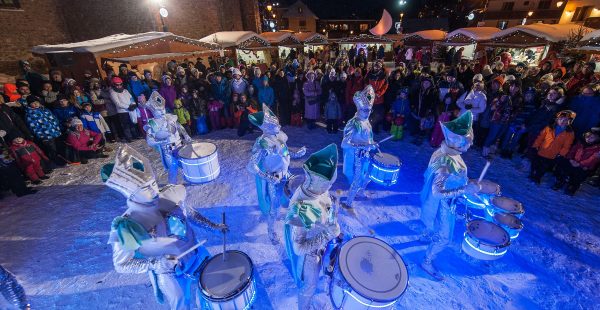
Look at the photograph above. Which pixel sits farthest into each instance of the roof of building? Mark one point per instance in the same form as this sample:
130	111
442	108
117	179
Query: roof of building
547	32
311	37
238	39
113	42
431	35
475	33
299	10
590	42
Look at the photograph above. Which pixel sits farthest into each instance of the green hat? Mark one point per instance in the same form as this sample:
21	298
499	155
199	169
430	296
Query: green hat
459	131
323	162
258	119
107	170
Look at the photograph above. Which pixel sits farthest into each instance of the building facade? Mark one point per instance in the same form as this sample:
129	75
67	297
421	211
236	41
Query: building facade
342	28
27	23
297	18
508	13
583	12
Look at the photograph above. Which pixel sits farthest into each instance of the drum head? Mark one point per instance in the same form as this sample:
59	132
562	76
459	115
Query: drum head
508	220
224	279
386	160
197	150
488	233
292	184
509	205
490	188
373	269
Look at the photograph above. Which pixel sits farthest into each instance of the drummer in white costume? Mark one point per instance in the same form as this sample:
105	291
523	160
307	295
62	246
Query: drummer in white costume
154	229
269	162
446	179
357	143
311	221
164	131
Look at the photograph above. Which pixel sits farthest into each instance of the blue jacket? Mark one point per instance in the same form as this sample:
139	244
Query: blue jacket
89	121
401	106
588	113
42	123
64	115
137	88
221	90
266	96
333	110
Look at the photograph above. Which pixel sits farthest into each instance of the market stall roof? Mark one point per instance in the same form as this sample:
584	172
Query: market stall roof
311	38
143	59
247	40
535	34
424	38
366	39
115	41
590	42
281	38
470	35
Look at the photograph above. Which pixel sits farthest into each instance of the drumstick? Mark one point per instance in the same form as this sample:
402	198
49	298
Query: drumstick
190	249
385	139
224	237
484	171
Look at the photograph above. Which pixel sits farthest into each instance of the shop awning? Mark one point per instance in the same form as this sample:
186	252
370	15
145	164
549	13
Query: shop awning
365	39
590	42
311	38
423	38
470	35
281	38
144	59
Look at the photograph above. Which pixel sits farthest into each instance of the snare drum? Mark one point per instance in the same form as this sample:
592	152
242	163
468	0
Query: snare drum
480	200
510	223
384	169
199	162
485	240
369	274
227	284
504	205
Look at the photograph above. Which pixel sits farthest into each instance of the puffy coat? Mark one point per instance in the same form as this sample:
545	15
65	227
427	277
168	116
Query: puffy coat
43	124
94	122
122	100
476	99
80	140
27	153
379	83
550	145
333	110
64	115
586	156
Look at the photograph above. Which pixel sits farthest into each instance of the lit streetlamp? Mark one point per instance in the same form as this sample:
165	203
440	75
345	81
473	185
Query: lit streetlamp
402	2
559	4
269	7
529	13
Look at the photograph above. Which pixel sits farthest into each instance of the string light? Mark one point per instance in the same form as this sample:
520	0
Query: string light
172	39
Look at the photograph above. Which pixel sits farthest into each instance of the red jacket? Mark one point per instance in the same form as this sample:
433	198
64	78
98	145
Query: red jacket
27	153
83	140
550	145
586	156
379	83
353	84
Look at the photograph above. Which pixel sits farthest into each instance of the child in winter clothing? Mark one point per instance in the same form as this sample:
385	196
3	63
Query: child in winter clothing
29	159
214	112
143	114
581	162
93	120
78	98
10	175
400	111
552	142
198	112
137	87
297	108
64	112
86	144
426	124
333	112
183	116
44	126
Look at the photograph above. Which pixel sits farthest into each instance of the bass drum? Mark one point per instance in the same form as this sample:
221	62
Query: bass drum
199	162
227	284
369	274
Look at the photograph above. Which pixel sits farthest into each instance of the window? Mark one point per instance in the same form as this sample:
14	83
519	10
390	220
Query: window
502	24
302	23
344	26
9	4
581	13
508	6
364	27
544	5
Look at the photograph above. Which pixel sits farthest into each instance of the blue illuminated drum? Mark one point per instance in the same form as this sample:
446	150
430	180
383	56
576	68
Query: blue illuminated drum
510	223
227	284
504	205
485	240
384	169
199	162
369	274
480	200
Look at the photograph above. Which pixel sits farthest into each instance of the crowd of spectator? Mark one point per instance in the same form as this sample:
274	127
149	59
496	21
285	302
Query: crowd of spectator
548	114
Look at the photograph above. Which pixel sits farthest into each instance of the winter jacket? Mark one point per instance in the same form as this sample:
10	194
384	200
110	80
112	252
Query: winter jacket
64	115
332	109
401	107
239	86
143	115
541	117
588	113
312	91
183	116
122	100
221	90
94	121
586	156
82	140
549	145
49	98
27	153
13	124
425	101
353	84
266	96
379	83
43	124
137	88
170	94
215	106
476	100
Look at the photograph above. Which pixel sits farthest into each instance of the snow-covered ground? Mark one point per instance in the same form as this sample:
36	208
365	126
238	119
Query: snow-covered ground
55	240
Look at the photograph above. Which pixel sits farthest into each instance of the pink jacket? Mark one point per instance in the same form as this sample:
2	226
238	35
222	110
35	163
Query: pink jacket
80	140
